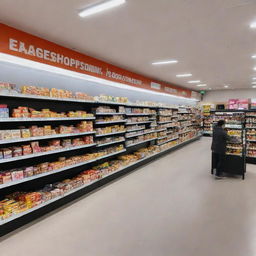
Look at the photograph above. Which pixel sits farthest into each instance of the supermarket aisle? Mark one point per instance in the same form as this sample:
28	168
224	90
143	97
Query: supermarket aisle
170	207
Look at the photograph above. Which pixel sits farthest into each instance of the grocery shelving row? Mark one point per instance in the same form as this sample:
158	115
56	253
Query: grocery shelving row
104	120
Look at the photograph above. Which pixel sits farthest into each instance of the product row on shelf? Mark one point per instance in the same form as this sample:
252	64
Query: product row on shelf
37	92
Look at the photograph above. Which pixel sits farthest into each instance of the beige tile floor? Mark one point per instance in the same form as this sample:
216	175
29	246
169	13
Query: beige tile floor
171	207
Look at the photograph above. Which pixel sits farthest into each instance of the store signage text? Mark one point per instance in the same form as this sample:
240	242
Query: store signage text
23	45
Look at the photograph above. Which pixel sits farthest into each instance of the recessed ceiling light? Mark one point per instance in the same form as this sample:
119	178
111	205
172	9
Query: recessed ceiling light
183	75
253	56
254	86
99	7
254	68
253	25
165	62
194	81
201	85
254	78
226	86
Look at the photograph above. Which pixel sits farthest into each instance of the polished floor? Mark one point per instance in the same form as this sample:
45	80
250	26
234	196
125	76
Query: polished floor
171	207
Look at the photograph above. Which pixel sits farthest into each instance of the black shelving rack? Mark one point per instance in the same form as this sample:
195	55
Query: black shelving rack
235	160
64	105
250	133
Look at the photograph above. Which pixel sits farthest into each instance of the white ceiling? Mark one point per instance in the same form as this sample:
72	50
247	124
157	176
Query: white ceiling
210	38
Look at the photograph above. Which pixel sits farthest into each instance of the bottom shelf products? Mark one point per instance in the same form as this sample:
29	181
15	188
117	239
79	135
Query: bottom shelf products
20	203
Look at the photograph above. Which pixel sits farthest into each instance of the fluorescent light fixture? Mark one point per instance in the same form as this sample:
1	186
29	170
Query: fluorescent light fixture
194	81
254	86
254	68
201	85
165	62
253	25
99	7
226	86
183	75
253	56
254	78
6	58
209	88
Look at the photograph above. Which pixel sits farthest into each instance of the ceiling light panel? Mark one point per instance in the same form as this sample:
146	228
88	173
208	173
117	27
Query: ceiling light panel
201	85
253	25
100	7
194	81
184	75
164	62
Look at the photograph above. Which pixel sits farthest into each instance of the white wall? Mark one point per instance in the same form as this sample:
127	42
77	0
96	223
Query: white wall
225	95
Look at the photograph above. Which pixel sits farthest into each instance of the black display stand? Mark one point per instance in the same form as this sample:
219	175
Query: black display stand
233	165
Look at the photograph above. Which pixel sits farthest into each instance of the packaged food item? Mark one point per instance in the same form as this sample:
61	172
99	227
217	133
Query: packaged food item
6	135
16	151
4	111
28	171
17	174
47	130
16	134
5	177
66	143
25	133
35	147
7	152
26	149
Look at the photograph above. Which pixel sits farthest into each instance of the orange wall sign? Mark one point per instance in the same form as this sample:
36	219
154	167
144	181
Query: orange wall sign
27	46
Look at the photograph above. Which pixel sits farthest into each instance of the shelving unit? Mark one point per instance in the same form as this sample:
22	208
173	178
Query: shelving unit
247	125
250	136
38	181
235	161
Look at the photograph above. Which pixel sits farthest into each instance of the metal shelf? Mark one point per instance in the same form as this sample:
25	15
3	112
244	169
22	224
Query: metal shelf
109	143
144	122
185	132
160	138
111	122
165	122
139	114
131	145
167	141
160	130
30	96
109	134
136	135
45	137
13	159
10	119
109	114
135	130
